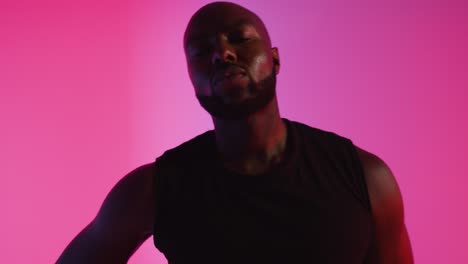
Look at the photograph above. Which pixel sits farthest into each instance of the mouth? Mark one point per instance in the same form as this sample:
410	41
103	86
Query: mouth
231	73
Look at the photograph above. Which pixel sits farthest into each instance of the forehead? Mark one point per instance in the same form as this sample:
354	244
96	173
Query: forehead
220	17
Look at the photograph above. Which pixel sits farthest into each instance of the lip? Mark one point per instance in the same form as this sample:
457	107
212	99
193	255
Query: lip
227	73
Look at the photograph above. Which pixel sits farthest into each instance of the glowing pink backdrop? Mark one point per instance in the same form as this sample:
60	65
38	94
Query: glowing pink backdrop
91	89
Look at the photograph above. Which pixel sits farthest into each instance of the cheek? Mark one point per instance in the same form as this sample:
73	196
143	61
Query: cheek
260	67
200	82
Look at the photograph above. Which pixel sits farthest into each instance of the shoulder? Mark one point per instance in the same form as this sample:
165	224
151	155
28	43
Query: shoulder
391	242
138	182
384	193
378	175
122	224
192	148
133	197
319	138
308	130
137	178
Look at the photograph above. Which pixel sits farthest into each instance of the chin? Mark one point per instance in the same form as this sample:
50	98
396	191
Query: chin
237	108
241	102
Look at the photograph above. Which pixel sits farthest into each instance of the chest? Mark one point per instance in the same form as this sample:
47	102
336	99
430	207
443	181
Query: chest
288	217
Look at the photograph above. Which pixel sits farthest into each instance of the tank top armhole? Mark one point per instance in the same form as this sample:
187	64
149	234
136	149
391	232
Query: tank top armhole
158	198
360	177
370	257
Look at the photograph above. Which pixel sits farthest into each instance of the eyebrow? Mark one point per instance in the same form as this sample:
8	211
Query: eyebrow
198	37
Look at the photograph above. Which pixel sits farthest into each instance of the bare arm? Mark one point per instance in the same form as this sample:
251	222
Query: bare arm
391	241
123	223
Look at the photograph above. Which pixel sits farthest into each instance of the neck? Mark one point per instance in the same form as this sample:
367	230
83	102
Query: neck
253	144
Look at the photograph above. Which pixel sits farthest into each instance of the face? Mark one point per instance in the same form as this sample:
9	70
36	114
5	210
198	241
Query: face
230	60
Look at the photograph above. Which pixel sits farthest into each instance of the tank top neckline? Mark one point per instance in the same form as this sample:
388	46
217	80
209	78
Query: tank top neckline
277	169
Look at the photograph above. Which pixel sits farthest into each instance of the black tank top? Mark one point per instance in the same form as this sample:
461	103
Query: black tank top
313	207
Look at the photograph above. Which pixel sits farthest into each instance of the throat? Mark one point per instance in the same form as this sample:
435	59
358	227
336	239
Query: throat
254	153
257	164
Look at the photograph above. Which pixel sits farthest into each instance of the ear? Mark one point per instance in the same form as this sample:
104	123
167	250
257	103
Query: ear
276	59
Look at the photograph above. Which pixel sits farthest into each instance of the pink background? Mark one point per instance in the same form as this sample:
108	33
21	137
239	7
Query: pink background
91	89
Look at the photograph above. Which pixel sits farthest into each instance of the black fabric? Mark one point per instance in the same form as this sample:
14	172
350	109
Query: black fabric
313	207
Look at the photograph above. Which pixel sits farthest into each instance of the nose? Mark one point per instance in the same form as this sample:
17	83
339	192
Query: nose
223	52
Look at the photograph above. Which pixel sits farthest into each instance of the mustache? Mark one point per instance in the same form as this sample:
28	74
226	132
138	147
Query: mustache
221	69
216	107
224	66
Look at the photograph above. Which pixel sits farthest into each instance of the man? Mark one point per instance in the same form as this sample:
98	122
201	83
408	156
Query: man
257	189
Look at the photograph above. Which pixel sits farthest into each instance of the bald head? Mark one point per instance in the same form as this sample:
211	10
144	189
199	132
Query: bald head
222	16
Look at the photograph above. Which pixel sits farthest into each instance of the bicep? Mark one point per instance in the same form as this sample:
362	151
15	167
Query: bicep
391	239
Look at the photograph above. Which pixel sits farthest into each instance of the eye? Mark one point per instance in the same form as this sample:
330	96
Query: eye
197	51
239	37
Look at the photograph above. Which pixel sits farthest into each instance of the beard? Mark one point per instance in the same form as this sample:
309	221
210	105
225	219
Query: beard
262	92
